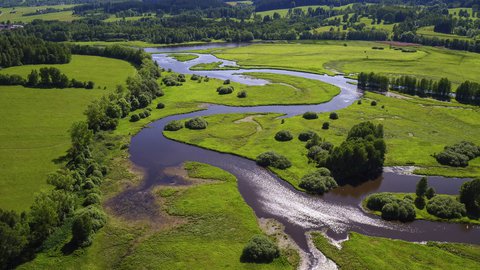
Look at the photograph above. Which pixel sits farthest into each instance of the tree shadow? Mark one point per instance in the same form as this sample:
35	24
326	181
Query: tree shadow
69	248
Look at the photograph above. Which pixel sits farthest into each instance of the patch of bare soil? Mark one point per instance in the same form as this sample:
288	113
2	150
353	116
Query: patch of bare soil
250	119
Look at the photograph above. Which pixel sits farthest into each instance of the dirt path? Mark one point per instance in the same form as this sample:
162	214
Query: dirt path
250	119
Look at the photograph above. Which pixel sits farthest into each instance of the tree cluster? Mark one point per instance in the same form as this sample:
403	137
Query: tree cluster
260	249
468	93
392	208
318	182
47	77
458	155
360	156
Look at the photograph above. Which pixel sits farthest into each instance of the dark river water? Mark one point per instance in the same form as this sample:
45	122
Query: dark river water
337	212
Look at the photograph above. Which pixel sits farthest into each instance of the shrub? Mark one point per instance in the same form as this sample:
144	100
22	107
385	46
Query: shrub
333	116
398	210
373	103
173	125
306	135
458	154
325	125
134	118
274	160
160	105
196	123
97	216
470	196
159	93
359	102
283	136
146	113
430	193
420	202
224	90
315	140
260	249
195	77
242	94
142	115
227	81
92	198
446	207
81	230
318	154
310	115
318	182
376	201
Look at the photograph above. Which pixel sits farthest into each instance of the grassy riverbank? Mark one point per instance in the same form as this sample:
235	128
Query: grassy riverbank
35	123
183	57
365	252
414	130
358	56
423	213
284	89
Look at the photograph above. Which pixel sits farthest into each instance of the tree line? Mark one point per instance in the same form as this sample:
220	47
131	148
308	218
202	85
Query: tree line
46	77
74	200
18	48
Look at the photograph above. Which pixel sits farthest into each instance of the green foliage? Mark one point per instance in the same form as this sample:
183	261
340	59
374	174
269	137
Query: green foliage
470	196
224	90
135	118
373	103
333	116
82	228
160	105
399	210
325	125
458	154
306	135
430	193
445	207
422	187
376	201
196	123
274	160
318	182
14	231
242	94
310	115
260	249
173	125
283	136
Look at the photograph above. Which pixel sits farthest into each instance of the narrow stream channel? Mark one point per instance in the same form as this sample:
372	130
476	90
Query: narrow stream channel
338	212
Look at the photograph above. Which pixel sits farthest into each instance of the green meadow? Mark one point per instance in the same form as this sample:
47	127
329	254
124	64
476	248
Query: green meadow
414	130
36	130
16	14
428	32
183	57
358	56
365	252
284	89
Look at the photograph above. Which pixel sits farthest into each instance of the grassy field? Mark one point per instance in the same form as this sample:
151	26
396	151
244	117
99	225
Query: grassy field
428	32
16	14
358	56
423	213
183	57
414	129
284	89
36	129
364	252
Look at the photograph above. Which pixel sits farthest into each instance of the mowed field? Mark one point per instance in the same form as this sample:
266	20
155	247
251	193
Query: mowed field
17	14
35	124
358	56
414	130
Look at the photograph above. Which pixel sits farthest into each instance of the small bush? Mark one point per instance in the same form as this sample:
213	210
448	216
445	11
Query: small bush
310	115
134	118
91	198
224	90
160	105
196	123
195	77
260	249
305	136
142	115
242	94
81	230
318	182
458	155
274	160
359	102
173	125
446	207
373	103
325	125
430	193
283	136
333	116
227	81
420	202
376	201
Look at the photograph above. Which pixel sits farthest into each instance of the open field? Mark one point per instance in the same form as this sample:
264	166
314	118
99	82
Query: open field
413	131
284	89
364	252
36	129
423	213
183	57
358	56
428	32
16	14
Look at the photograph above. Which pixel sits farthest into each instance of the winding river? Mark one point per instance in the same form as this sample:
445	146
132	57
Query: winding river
337	212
